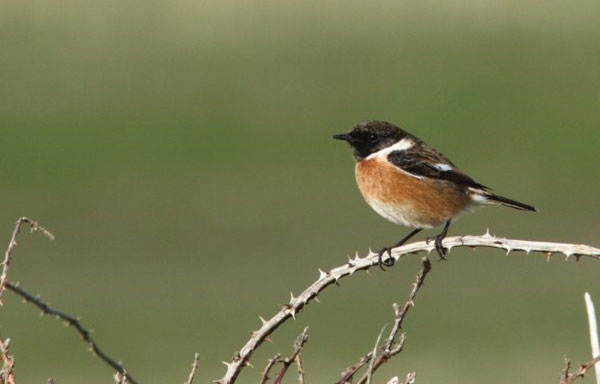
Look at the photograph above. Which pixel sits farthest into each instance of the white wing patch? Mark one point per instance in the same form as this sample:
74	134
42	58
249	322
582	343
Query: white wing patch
402	145
443	167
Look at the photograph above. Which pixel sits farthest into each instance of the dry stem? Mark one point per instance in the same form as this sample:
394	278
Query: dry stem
35	227
568	378
270	363
298	345
391	348
74	323
7	375
300	366
325	279
190	379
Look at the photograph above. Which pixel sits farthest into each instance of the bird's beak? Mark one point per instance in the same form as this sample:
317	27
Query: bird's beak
343	136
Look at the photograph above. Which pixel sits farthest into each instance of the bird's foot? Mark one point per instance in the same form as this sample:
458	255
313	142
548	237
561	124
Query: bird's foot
442	252
389	262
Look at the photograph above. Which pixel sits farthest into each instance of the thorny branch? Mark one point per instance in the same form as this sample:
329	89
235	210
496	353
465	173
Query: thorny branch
332	276
568	377
298	345
74	323
34	227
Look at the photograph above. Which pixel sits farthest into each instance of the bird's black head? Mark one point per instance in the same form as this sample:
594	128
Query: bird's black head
370	137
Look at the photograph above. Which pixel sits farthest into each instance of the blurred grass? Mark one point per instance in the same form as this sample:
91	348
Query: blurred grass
181	153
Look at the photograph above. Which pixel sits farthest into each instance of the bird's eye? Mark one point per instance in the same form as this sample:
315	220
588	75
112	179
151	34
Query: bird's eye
372	137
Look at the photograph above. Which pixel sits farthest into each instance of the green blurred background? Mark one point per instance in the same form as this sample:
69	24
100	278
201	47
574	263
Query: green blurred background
181	153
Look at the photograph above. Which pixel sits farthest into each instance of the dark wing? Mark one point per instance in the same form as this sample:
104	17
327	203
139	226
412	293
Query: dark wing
422	160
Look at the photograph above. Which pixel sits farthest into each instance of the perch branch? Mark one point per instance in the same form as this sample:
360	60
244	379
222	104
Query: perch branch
74	323
296	304
34	227
298	345
190	379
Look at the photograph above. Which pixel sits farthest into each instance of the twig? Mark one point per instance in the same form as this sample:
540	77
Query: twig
411	378
7	375
190	379
326	279
74	323
298	345
300	366
568	378
589	304
349	373
35	227
370	370
270	363
392	348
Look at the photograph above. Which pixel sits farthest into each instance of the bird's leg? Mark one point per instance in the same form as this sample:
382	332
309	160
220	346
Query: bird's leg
390	261
438	241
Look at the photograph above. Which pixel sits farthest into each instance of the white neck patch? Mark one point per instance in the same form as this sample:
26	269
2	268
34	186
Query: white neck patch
402	145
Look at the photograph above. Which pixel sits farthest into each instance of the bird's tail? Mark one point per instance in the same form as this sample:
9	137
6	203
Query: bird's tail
486	197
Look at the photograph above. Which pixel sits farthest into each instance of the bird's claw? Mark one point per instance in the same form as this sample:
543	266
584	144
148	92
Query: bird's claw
389	262
439	248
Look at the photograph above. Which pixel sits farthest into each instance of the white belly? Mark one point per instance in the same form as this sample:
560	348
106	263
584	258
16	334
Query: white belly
400	214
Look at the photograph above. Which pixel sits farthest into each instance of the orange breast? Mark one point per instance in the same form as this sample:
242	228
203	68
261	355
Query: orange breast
405	199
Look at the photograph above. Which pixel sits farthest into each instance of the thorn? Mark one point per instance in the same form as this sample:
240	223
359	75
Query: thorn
293	313
292	298
262	319
317	299
568	254
226	364
527	250
322	274
548	256
508	250
487	233
248	364
368	272
269	338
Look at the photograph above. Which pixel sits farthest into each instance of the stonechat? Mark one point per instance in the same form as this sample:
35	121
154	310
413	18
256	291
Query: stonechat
408	182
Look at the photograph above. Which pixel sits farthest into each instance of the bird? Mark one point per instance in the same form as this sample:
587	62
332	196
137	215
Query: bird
408	182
